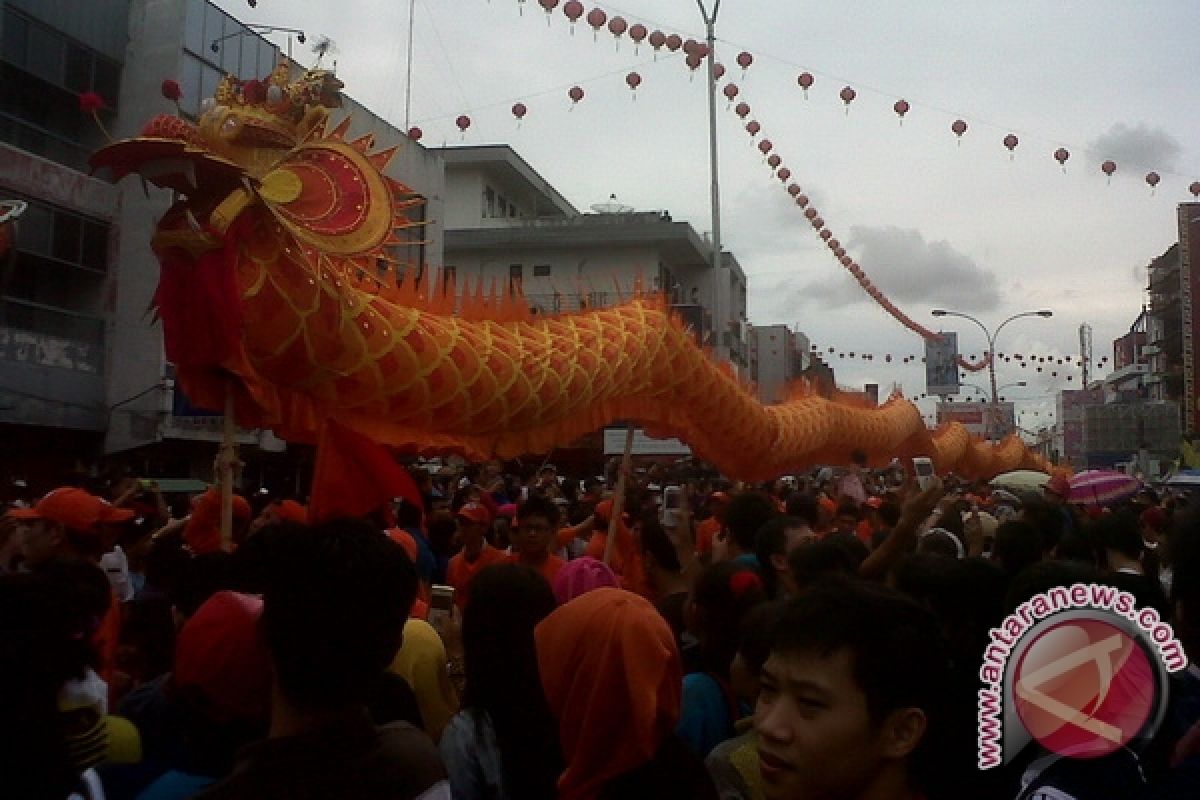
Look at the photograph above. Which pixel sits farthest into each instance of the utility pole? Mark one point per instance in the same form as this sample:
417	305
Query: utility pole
720	323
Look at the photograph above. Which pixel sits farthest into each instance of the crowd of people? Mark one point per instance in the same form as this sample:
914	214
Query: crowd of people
516	637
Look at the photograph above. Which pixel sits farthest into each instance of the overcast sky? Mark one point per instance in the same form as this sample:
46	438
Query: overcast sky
933	221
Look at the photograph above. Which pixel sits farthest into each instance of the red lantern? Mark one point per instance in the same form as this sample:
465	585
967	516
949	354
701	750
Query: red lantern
415	133
637	32
793	189
783	175
617	26
1108	168
1010	142
805	80
549	6
519	111
825	234
690	46
774	160
765	146
1061	155
818	223
576	94
463	122
171	90
718	71
834	245
847	94
752	127
744	61
742	110
674	42
657	40
731	91
810	213
574	10
596	18
802	200
1152	179
634	80
702	50
959	127
901	108
846	260
693	61
1195	188
839	253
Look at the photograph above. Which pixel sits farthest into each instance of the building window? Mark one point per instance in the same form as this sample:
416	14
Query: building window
516	276
502	207
489	202
541	270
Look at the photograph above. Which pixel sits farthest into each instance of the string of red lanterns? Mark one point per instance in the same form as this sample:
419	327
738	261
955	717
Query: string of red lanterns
697	51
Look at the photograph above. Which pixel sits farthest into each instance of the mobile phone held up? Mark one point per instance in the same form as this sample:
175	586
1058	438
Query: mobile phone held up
441	604
671	501
925	472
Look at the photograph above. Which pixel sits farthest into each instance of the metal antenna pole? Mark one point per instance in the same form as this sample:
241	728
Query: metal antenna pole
412	7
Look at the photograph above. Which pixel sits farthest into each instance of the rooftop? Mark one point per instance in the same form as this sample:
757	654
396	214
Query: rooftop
502	160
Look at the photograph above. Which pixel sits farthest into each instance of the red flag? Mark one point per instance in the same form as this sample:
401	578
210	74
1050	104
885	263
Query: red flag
355	476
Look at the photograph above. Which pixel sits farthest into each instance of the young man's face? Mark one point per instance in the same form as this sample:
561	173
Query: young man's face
531	537
846	523
816	739
472	533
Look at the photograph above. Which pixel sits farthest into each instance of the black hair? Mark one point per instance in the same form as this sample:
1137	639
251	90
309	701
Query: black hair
1018	545
939	543
1118	531
745	515
255	558
1184	550
656	543
334	611
820	559
199	578
722	603
757	635
1076	546
441	527
858	457
847	508
897	650
536	505
506	604
804	506
1046	520
39	650
408	515
889	513
897	653
1044	576
772	541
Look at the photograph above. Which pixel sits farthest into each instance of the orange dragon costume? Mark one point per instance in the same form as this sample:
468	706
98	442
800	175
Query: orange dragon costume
271	284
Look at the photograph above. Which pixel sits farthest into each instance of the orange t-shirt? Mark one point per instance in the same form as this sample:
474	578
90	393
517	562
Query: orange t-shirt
706	531
460	571
625	562
568	533
549	568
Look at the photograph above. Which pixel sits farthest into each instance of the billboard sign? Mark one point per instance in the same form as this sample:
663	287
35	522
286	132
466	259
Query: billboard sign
643	445
980	419
941	365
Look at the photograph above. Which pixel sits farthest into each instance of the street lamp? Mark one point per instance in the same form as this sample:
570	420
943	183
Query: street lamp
991	352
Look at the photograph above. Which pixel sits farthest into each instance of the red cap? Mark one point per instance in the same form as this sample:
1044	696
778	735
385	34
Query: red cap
405	540
874	502
719	497
74	509
291	511
474	512
221	653
603	510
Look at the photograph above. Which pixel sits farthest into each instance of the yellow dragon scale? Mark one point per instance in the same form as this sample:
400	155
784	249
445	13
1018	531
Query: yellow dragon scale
271	282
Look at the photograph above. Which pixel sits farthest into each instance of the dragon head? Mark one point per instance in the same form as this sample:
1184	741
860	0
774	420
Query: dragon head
235	145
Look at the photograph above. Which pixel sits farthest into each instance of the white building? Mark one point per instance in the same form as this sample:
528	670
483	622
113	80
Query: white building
778	356
505	224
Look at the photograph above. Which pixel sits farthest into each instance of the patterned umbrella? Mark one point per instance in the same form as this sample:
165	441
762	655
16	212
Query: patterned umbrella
1102	487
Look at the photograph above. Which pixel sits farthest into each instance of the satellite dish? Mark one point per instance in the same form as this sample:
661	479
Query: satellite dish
611	207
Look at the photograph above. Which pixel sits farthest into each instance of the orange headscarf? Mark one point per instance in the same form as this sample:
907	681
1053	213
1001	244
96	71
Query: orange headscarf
613	680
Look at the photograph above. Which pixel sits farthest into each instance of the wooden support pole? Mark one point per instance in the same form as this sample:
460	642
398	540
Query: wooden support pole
225	462
618	502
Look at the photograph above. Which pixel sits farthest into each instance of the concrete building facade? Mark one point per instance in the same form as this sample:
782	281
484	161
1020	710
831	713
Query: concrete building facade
81	357
507	226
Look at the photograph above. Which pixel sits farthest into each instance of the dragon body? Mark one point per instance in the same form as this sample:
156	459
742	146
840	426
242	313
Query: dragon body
275	286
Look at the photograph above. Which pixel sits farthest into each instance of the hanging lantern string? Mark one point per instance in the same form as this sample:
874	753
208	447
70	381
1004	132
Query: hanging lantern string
555	90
